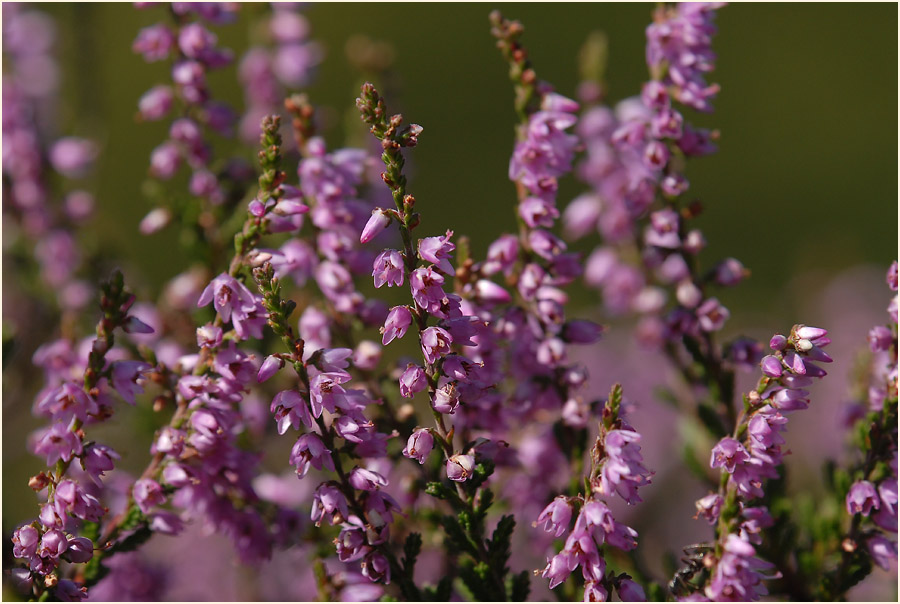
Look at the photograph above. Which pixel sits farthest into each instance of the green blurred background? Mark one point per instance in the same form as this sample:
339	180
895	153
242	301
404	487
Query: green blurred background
805	181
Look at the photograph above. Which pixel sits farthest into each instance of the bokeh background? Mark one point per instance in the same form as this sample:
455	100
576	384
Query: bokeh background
803	190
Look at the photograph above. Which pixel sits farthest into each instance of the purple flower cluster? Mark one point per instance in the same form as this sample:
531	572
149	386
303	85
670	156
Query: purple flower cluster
868	497
628	166
192	50
618	470
679	50
754	454
29	159
78	393
289	62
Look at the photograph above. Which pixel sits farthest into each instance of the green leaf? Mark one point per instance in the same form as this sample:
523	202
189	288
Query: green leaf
443	590
436	489
457	539
487	500
499	545
520	585
473	577
411	549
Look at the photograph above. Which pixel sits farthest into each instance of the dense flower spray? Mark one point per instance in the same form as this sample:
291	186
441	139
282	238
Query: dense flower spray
341	387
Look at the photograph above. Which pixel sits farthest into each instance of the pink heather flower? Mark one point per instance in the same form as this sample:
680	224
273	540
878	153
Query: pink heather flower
326	392
289	409
329	503
388	268
771	366
460	467
502	255
25	541
806	332
582	550
882	550
537	213
165	160
154	43
595	592
892	276
398	321
886	517
366	480
582	332
79	550
426	286
269	367
446	398
156	220
862	498
558	569
195	41
880	338
147	494
351	543
437	251
663	230
629	591
556	516
730	272
66	402
57	442
412	381
187	132
709	507
623	470
97	460
71	498
728	454
128	377
581	215
228	296
209	336
376	568
712	315
435	343
136	326
333	359
68	591
367	355
309	450
156	103
53	544
489	293
419	445
379	221
73	157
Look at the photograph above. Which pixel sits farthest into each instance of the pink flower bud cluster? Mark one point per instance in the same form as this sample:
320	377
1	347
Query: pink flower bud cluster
192	50
753	456
35	165
619	471
287	62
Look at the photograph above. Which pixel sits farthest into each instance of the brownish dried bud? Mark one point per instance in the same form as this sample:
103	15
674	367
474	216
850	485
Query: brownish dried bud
39	482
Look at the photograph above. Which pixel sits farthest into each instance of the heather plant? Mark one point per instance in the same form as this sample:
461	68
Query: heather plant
338	381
